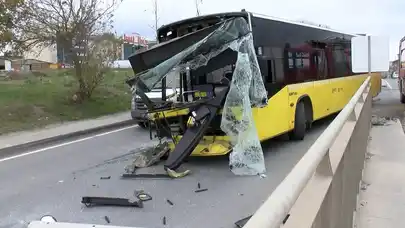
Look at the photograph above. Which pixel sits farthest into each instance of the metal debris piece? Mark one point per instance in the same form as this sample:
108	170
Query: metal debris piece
105	178
201	190
107	219
110	201
146	157
169	202
286	218
164	220
175	174
142	195
242	222
146	176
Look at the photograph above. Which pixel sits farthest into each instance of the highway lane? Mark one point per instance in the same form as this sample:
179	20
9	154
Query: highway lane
53	182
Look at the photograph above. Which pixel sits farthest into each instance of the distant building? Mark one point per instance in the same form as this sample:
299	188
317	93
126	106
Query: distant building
133	43
42	54
5	64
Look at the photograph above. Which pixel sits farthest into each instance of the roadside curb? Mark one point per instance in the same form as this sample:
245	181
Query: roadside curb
8	151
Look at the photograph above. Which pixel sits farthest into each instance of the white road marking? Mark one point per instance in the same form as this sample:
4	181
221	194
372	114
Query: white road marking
388	84
65	144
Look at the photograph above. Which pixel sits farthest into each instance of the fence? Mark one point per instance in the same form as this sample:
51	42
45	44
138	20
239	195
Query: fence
321	190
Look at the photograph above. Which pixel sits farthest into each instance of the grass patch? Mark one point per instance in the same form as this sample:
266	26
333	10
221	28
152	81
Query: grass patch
34	100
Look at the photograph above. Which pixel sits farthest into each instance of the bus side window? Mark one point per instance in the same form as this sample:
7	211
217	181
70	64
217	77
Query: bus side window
321	64
340	62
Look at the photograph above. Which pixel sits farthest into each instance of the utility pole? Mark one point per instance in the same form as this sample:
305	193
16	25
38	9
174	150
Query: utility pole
155	9
197	6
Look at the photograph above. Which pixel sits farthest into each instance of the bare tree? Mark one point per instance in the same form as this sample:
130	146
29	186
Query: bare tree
10	11
156	17
75	26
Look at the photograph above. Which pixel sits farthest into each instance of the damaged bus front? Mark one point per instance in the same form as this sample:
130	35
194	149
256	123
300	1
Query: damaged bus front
219	83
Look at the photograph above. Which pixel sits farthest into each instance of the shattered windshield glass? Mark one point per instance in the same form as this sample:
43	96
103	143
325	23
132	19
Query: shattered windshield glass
246	89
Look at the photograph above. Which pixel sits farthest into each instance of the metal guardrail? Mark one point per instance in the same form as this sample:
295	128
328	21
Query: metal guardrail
322	189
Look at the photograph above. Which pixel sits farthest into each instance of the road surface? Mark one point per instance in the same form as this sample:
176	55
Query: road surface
52	180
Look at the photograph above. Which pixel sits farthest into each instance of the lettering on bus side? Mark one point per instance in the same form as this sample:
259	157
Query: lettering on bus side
293	93
337	90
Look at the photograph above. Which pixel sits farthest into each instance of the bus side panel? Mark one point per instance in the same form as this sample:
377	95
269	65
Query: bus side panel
321	99
275	118
342	90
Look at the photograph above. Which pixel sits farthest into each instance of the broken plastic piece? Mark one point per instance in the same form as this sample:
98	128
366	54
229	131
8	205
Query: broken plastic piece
242	222
90	201
174	174
169	202
142	195
201	190
107	219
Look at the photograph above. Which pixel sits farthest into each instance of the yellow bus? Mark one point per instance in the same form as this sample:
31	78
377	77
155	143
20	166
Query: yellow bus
304	70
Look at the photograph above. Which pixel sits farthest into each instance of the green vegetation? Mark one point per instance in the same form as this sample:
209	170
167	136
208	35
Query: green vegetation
34	100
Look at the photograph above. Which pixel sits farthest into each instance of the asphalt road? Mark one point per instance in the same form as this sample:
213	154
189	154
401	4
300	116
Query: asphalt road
53	180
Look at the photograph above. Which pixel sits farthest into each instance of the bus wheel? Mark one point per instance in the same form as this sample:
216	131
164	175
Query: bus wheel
300	123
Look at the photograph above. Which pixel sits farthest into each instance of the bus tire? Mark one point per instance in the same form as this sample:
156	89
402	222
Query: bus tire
300	123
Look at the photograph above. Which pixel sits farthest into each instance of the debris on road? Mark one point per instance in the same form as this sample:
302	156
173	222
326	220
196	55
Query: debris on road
169	202
198	185
164	220
142	195
175	174
145	157
146	176
380	121
201	190
107	219
110	201
105	178
242	222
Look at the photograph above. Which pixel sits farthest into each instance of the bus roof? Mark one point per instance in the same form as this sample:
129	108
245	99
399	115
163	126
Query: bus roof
245	13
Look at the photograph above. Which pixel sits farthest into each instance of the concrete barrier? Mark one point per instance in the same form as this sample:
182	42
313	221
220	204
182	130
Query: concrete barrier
321	191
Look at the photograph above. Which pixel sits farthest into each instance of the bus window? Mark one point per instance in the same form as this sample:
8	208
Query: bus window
340	64
321	64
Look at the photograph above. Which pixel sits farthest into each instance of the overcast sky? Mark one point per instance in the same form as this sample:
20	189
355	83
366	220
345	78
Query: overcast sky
376	17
